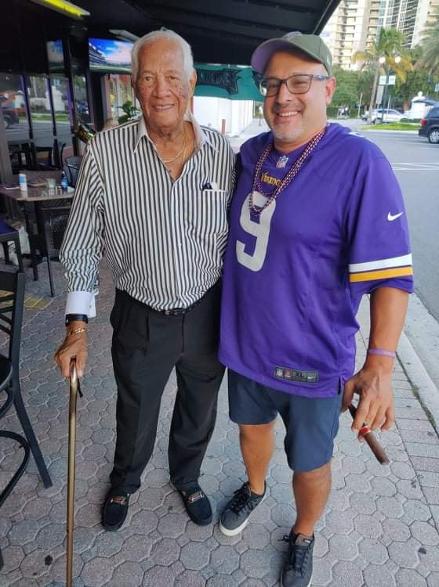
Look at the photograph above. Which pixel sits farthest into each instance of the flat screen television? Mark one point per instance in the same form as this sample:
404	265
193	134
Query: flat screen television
108	55
55	55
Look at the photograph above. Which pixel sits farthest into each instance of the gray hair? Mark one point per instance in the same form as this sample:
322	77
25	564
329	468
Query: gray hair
163	33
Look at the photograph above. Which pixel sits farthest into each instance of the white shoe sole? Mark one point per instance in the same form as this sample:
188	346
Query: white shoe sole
240	528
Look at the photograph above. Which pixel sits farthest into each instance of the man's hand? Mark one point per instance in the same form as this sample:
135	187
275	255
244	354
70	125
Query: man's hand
73	347
375	409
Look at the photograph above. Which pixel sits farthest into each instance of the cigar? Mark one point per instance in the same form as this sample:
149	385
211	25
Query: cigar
371	439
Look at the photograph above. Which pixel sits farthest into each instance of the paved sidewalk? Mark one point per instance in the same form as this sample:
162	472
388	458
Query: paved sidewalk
380	529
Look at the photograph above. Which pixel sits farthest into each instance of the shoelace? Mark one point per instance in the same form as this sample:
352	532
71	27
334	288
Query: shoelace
241	500
298	555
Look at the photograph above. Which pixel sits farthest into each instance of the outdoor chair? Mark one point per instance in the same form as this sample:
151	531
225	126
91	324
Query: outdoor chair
71	169
11	317
54	219
7	235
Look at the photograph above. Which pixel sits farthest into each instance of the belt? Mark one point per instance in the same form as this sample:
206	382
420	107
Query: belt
180	311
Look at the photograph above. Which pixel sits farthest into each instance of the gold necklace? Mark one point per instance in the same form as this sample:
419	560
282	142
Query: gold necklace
179	154
312	144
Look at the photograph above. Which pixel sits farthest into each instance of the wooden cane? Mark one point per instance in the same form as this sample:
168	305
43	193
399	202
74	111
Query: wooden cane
371	439
74	390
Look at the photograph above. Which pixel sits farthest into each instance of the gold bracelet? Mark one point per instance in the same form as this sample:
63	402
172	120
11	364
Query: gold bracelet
76	331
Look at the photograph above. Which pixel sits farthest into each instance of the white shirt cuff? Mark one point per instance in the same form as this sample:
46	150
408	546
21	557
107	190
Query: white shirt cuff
81	302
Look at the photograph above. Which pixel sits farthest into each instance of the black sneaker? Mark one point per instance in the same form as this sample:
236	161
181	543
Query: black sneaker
237	512
297	571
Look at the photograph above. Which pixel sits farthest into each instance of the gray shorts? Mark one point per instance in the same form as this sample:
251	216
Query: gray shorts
311	423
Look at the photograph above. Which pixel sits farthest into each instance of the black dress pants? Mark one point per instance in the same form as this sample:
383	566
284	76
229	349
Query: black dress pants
146	346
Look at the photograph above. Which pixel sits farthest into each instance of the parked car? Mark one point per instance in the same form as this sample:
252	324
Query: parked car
384	115
10	115
430	125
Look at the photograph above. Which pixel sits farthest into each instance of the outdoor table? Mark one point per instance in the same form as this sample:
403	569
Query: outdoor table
30	203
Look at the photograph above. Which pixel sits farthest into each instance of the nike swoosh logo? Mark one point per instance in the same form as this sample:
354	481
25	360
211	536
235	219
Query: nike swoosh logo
392	217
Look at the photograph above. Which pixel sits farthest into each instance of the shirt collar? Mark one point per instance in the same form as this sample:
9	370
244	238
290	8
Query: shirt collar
201	137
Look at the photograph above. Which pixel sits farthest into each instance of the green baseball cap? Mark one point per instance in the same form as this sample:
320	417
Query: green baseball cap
311	45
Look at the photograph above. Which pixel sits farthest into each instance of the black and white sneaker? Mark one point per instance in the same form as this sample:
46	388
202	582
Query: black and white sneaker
237	512
297	571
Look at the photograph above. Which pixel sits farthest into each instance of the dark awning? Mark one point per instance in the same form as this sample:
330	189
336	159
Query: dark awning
220	31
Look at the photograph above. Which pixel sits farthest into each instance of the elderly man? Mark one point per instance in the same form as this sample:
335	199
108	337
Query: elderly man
317	220
153	194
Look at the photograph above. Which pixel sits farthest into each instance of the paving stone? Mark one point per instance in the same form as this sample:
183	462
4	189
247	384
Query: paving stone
322	572
405	554
224	560
431	495
158	576
128	574
409	424
12	558
137	548
343	547
368	526
433	580
172	525
51	536
391	507
425	533
418	449
415	510
396	530
190	578
24	532
341	522
373	551
222	581
165	552
195	555
410	578
410	488
378	576
347	574
425	464
423	436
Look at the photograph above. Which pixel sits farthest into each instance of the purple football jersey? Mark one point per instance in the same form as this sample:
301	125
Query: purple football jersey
294	275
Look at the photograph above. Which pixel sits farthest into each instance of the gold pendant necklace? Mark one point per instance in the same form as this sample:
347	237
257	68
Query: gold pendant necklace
177	156
312	144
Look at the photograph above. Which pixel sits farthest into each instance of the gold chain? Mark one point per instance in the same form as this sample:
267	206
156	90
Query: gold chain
179	154
288	177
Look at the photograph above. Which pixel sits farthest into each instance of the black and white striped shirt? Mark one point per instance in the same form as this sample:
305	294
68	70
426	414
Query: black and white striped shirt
164	239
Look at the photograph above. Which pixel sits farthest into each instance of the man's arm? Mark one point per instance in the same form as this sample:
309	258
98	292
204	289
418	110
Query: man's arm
80	254
388	308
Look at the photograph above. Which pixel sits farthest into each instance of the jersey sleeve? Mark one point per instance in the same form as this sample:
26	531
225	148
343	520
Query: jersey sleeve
379	246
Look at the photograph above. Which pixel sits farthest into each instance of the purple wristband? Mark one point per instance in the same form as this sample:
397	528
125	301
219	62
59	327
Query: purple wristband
381	352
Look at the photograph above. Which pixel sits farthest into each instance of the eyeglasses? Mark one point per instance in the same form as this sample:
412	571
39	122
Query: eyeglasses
298	83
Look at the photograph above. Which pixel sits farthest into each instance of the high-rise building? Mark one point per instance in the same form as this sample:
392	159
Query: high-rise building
352	27
401	15
355	25
426	16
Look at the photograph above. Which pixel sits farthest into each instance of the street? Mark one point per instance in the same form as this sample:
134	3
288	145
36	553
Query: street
416	164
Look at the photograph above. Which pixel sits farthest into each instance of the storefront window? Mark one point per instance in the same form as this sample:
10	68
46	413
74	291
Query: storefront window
62	107
39	105
119	91
13	108
81	99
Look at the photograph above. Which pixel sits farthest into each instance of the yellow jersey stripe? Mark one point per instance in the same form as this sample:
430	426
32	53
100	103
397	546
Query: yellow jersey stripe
383	274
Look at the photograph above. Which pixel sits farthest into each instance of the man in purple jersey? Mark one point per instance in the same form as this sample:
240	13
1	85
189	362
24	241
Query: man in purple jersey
317	220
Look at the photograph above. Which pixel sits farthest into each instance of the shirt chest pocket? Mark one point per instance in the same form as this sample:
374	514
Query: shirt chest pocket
209	214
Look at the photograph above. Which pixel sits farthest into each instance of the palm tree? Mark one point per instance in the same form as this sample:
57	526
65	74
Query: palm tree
387	53
430	45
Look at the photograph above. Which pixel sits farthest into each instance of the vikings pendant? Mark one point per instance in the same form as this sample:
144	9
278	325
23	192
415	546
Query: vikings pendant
282	161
